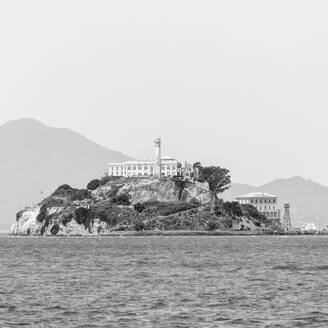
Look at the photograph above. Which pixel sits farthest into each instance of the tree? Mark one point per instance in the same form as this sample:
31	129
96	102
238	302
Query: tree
122	199
180	184
138	225
93	184
218	180
139	207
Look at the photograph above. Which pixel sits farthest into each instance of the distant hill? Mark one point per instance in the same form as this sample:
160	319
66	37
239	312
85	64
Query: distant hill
35	158
308	199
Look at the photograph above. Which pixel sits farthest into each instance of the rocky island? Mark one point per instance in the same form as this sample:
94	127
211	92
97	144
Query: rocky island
132	205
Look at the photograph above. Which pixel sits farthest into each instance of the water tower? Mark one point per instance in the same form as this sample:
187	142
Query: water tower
286	223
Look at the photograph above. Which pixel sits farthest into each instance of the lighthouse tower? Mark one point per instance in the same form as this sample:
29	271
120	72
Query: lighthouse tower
286	223
158	158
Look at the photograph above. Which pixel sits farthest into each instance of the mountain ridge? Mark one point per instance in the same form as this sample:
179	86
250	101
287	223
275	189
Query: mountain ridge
34	157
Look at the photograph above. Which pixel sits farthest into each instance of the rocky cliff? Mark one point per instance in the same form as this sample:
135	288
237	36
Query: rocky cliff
133	204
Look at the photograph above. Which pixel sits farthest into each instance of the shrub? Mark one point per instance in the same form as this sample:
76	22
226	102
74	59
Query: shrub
138	225
109	214
55	201
122	199
107	178
212	225
167	208
195	201
180	184
232	209
67	218
63	191
42	214
19	215
93	184
139	207
251	212
46	223
112	216
113	191
80	194
65	194
219	207
55	228
64	187
83	216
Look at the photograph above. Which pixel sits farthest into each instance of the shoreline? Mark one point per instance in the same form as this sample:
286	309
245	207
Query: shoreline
181	233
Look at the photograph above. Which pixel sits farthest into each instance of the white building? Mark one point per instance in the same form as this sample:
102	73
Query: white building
160	166
265	203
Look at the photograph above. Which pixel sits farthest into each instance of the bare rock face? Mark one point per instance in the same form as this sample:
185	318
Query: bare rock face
196	191
26	223
165	191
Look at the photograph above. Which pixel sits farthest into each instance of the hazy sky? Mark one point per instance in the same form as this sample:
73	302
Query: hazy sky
242	84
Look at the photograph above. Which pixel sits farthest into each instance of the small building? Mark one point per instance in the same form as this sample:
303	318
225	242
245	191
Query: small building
265	203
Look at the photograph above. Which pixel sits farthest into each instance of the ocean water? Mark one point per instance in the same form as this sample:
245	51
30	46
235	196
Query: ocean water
164	282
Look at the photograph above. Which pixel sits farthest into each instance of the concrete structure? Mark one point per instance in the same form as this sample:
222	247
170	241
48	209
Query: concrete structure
286	223
158	158
159	167
265	203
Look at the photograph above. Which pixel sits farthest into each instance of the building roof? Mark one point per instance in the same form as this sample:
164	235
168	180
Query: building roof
257	195
135	162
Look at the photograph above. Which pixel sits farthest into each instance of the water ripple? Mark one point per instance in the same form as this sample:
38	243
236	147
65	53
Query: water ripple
163	282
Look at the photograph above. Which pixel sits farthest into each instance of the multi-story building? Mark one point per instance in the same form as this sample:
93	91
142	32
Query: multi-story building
266	204
169	167
160	166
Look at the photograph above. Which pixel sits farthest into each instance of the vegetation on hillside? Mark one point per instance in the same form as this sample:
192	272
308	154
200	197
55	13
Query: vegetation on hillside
114	210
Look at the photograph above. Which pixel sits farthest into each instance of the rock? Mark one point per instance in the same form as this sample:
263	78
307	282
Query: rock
155	205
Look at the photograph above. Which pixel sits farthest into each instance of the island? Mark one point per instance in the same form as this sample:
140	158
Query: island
118	206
